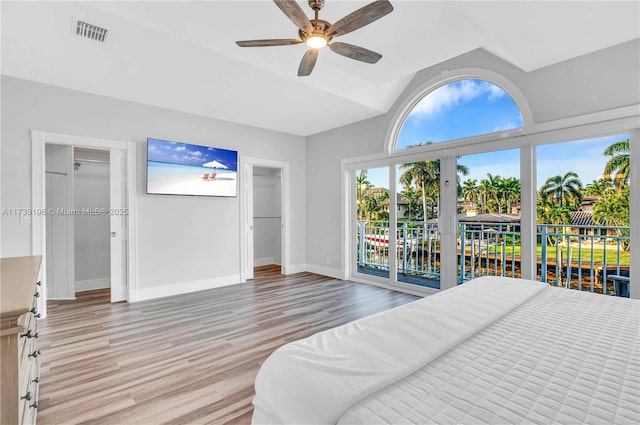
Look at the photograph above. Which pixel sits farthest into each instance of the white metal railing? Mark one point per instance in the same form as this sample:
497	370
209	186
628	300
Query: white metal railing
577	257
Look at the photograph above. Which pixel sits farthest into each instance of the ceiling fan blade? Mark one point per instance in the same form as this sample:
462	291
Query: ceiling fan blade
361	17
355	52
295	14
265	43
308	62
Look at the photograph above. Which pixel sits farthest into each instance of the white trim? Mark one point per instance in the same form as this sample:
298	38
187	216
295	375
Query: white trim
447	223
92	284
528	195
38	223
406	288
449	76
285	205
634	213
598	124
186	287
296	268
614	121
325	271
132	223
349	216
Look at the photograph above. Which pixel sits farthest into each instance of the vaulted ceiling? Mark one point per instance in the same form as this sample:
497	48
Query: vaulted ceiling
182	55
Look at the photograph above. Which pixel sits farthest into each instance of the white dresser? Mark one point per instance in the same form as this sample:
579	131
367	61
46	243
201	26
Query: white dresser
19	292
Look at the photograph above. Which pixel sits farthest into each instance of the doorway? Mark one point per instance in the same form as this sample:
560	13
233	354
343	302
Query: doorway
267	217
63	217
264	205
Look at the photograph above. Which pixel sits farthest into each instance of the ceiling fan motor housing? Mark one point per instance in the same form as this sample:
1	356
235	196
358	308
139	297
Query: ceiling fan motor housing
320	28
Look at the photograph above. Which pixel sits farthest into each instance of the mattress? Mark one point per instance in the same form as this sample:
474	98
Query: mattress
494	350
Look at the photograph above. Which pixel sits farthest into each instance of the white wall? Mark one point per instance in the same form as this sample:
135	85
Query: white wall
92	232
266	217
183	242
595	82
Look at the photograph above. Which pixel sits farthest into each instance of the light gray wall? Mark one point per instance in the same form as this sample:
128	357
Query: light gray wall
92	232
266	217
180	239
599	81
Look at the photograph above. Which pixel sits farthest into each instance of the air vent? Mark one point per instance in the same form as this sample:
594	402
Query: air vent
90	31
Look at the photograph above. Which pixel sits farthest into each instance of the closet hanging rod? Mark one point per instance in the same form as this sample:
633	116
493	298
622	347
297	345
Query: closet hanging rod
56	172
266	175
101	161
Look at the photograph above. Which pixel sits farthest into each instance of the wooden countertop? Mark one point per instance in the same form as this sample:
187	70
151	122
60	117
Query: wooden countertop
17	278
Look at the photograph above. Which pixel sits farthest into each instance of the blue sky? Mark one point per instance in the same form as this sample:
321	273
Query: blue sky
186	154
472	107
459	109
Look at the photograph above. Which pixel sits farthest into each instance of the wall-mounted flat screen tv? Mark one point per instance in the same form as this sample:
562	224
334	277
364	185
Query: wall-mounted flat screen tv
175	168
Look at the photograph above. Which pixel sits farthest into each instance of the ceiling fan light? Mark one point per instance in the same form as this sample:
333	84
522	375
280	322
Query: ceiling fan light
316	41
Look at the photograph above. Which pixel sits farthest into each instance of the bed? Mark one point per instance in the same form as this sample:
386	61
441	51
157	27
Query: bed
492	351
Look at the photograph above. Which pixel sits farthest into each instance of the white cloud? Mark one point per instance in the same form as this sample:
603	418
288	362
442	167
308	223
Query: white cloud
505	126
450	95
196	153
495	92
181	148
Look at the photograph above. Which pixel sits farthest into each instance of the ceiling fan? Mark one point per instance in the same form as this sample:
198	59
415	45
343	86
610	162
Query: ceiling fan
317	33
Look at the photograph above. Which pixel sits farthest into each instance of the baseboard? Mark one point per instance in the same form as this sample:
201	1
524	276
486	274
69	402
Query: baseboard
91	284
185	287
298	268
264	261
326	271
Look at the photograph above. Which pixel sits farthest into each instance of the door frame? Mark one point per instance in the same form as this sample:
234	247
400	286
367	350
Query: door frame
246	257
446	222
39	139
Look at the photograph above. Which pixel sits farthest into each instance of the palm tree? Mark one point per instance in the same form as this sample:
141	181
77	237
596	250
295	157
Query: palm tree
412	197
510	190
490	190
425	176
550	213
362	187
563	189
619	165
470	190
600	187
613	210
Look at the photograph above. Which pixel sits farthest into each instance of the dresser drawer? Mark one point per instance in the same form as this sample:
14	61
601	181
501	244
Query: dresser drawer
29	399
19	353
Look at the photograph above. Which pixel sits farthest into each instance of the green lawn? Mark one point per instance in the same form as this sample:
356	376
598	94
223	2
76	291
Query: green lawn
585	253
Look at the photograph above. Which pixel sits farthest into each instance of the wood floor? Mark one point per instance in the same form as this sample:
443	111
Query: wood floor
187	359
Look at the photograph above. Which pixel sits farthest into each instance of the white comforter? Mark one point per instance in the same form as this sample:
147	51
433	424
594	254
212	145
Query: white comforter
564	357
317	379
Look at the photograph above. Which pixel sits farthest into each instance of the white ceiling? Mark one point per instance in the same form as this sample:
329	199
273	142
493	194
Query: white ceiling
181	55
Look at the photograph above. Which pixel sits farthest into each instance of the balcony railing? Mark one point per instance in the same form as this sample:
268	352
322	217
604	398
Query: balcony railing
577	257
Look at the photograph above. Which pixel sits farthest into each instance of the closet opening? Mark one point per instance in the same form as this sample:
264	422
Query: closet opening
267	220
78	238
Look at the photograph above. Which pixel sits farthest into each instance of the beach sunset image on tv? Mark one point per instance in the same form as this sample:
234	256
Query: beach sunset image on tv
175	168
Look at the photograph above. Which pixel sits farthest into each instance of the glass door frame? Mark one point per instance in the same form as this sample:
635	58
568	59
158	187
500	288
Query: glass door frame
448	151
446	227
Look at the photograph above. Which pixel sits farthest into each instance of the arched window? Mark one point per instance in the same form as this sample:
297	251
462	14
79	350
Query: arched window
459	109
